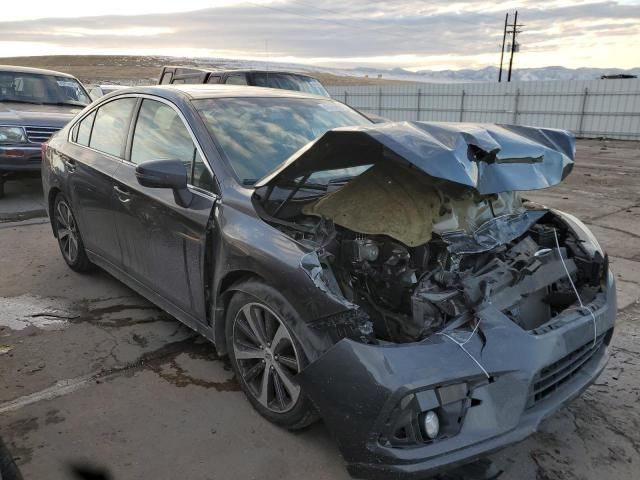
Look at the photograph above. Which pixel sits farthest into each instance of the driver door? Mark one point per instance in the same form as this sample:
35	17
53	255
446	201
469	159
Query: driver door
163	244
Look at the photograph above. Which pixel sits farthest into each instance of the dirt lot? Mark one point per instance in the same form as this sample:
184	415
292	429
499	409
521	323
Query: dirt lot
91	372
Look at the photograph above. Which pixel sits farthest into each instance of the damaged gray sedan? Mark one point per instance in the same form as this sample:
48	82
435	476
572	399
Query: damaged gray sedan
389	279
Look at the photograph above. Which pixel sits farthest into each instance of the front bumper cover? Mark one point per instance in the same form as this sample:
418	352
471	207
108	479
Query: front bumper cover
356	386
14	158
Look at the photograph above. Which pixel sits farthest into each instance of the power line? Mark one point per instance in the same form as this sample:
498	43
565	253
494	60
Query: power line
514	46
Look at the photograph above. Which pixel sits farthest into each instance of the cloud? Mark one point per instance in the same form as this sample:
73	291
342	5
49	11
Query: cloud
406	33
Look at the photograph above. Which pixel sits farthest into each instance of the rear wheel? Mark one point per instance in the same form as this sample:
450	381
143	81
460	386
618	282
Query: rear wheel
68	235
265	355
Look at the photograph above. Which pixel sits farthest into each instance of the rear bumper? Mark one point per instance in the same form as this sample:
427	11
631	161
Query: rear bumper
358	388
19	158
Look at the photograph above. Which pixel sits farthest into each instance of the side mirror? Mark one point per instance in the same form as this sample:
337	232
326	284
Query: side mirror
166	174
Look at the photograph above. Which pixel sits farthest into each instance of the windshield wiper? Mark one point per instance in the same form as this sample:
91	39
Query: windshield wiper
249	182
73	104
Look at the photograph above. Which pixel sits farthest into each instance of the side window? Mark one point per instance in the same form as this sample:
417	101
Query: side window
160	134
84	130
74	133
201	177
111	126
166	78
237	79
214	79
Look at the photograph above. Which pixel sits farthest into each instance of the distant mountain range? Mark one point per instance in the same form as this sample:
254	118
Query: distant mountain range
490	74
487	74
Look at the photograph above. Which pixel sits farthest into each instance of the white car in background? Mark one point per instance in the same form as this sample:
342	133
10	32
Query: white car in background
97	91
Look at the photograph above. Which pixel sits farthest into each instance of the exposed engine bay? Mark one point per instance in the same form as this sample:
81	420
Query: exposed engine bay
419	254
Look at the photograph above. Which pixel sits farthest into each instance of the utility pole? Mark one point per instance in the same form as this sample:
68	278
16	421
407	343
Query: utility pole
514	45
504	39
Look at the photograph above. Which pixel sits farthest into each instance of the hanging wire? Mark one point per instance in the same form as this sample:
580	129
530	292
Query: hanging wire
575	290
462	346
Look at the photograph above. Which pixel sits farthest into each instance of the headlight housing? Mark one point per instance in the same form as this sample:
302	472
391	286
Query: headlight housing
11	135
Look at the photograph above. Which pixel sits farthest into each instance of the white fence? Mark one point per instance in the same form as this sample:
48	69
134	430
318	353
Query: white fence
594	108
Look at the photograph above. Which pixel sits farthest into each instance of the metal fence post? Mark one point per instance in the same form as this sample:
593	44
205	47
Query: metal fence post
380	101
462	104
582	111
418	106
515	106
346	96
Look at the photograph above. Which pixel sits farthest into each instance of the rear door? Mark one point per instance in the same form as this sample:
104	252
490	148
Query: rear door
163	244
95	152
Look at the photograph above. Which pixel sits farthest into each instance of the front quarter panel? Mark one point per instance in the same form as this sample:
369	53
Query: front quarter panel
248	244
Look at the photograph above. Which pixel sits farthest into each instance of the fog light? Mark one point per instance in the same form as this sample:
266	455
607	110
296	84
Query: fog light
431	424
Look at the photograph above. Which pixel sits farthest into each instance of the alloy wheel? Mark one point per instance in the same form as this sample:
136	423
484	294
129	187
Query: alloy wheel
267	357
67	231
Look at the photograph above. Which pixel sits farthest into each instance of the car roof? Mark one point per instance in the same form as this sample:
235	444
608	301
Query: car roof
202	91
37	71
240	70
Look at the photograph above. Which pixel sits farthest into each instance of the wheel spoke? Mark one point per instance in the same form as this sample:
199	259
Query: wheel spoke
248	332
263	396
279	391
253	372
288	362
62	217
246	352
73	247
279	337
291	387
270	325
69	216
254	323
63	233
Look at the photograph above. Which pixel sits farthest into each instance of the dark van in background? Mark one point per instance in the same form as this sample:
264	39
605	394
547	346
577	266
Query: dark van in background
255	78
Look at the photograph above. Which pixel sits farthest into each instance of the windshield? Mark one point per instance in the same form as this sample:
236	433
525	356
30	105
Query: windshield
289	81
42	89
258	134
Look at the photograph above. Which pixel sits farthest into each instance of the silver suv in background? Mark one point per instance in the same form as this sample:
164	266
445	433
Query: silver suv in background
34	104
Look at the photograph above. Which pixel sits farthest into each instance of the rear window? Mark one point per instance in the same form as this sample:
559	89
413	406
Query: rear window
258	134
84	129
289	81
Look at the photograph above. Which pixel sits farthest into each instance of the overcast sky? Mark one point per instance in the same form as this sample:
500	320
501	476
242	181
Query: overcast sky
413	34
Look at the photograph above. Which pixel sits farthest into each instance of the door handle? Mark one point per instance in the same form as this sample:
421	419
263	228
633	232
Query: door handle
123	195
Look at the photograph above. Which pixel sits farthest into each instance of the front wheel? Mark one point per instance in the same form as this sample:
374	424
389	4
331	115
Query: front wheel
68	235
266	356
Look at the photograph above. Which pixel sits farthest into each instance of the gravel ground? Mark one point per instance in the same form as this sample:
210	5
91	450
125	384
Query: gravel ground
92	373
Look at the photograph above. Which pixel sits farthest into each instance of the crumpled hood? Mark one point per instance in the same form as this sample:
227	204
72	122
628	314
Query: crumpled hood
490	158
27	114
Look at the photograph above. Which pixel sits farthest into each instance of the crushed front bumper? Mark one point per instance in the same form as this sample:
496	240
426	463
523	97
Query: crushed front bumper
529	376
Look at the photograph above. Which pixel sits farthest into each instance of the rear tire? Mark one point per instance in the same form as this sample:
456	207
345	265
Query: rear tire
266	356
68	235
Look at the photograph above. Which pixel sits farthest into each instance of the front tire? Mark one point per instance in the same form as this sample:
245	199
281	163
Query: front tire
68	235
266	356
